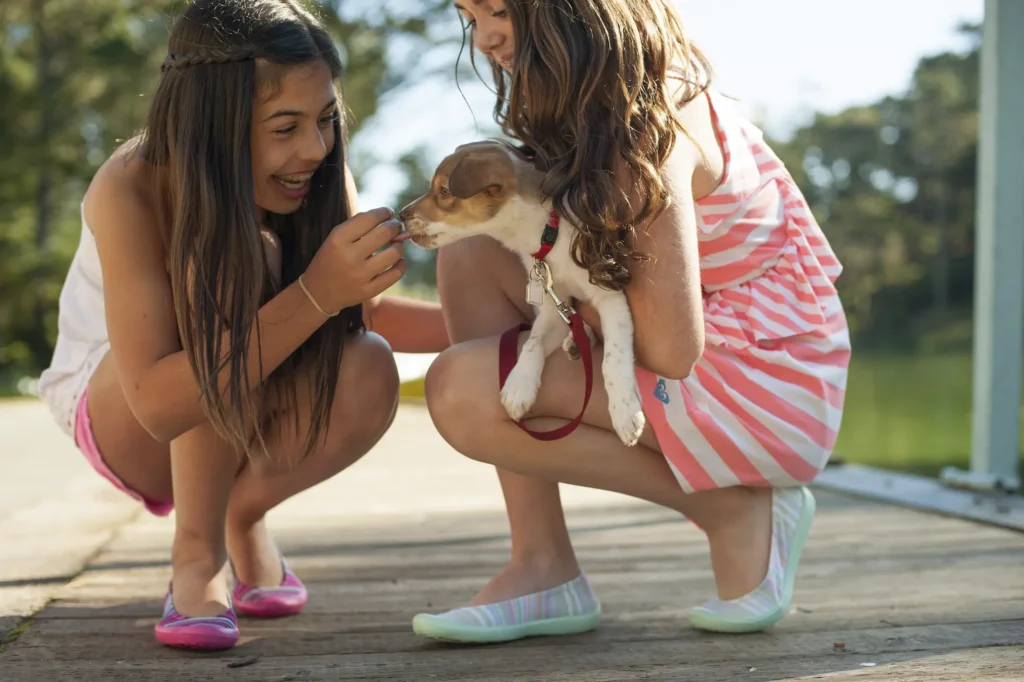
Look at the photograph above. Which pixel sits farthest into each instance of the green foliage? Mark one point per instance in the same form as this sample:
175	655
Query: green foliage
71	74
893	186
422	272
75	76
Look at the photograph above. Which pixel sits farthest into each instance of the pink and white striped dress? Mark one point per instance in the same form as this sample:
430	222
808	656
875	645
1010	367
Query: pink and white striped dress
764	403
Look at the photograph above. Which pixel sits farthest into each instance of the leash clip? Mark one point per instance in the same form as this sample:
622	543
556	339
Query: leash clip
542	273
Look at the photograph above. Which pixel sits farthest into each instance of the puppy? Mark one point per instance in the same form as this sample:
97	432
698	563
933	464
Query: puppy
491	188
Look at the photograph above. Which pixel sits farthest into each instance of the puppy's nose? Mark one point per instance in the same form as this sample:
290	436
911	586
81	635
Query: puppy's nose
404	215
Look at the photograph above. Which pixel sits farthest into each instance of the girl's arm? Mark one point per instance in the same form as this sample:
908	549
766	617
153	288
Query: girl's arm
408	325
664	292
154	372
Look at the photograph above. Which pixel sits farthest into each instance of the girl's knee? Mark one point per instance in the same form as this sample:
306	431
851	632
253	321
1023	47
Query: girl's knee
462	397
368	384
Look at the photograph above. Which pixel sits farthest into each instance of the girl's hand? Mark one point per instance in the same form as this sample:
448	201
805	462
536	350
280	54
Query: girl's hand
348	270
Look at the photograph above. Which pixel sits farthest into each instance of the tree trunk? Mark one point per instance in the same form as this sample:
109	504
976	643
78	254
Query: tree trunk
47	87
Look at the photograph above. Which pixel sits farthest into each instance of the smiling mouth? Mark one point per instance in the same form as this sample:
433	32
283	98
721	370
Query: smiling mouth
293	185
295	181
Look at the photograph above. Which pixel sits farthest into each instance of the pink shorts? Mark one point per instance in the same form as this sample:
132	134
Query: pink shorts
87	444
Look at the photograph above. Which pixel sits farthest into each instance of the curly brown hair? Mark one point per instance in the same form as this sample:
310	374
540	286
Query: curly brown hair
588	97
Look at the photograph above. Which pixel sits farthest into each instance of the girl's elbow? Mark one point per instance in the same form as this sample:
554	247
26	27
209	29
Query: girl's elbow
158	429
151	413
677	360
677	367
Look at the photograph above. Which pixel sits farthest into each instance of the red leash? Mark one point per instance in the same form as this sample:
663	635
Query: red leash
507	347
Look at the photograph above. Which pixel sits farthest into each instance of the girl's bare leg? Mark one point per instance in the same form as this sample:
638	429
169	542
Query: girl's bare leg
482	290
220	512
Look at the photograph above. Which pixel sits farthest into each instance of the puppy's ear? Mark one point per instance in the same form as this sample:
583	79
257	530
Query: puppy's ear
474	174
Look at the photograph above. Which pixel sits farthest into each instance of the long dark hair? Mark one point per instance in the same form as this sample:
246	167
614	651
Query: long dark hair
221	55
588	92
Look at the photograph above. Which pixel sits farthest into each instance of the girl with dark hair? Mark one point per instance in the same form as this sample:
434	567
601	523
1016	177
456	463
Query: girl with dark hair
213	353
741	341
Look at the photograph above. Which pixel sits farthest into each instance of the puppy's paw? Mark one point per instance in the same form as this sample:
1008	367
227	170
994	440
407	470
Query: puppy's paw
570	347
520	391
628	420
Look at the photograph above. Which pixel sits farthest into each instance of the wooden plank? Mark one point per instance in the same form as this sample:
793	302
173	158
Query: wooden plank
636	571
953	608
47	543
620	589
635	605
55	512
477	554
82	639
953	586
933	561
687	655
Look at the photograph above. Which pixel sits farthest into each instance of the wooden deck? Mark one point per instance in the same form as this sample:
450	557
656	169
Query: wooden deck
883	593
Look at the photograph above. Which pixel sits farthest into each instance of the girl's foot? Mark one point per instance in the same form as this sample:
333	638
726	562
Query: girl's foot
740	541
521	601
527	576
208	633
265	587
254	554
197	609
199	582
792	512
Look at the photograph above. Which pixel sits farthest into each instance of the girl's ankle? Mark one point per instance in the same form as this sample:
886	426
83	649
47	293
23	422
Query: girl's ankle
551	565
744	512
198	555
741	545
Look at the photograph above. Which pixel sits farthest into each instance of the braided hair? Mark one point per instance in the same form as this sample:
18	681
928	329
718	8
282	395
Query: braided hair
230	53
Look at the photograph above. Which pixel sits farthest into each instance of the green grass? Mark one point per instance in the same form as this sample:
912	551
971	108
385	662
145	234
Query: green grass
908	413
9	638
412	389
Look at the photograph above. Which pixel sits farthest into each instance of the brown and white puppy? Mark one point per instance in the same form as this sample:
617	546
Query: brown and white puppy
490	188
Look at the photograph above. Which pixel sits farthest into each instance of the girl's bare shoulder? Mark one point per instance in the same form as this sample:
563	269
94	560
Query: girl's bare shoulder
122	188
698	148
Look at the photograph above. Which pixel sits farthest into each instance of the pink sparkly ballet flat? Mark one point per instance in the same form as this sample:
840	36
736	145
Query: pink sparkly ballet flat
204	633
287	599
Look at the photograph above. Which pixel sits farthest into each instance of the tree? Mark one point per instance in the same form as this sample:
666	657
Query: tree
70	74
893	185
74	78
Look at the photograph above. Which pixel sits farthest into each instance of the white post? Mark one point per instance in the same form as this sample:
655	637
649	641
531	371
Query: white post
999	259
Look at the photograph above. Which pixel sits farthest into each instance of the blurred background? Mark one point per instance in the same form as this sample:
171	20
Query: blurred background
873	105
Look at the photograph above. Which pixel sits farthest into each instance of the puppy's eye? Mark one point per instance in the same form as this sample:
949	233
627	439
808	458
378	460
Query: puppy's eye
445	192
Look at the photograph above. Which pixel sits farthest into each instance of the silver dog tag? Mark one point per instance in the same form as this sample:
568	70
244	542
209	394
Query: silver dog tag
535	292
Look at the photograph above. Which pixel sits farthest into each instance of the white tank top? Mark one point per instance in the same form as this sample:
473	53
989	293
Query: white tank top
82	339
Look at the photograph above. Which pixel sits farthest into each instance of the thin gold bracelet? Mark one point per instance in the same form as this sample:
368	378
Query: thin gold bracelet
302	285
